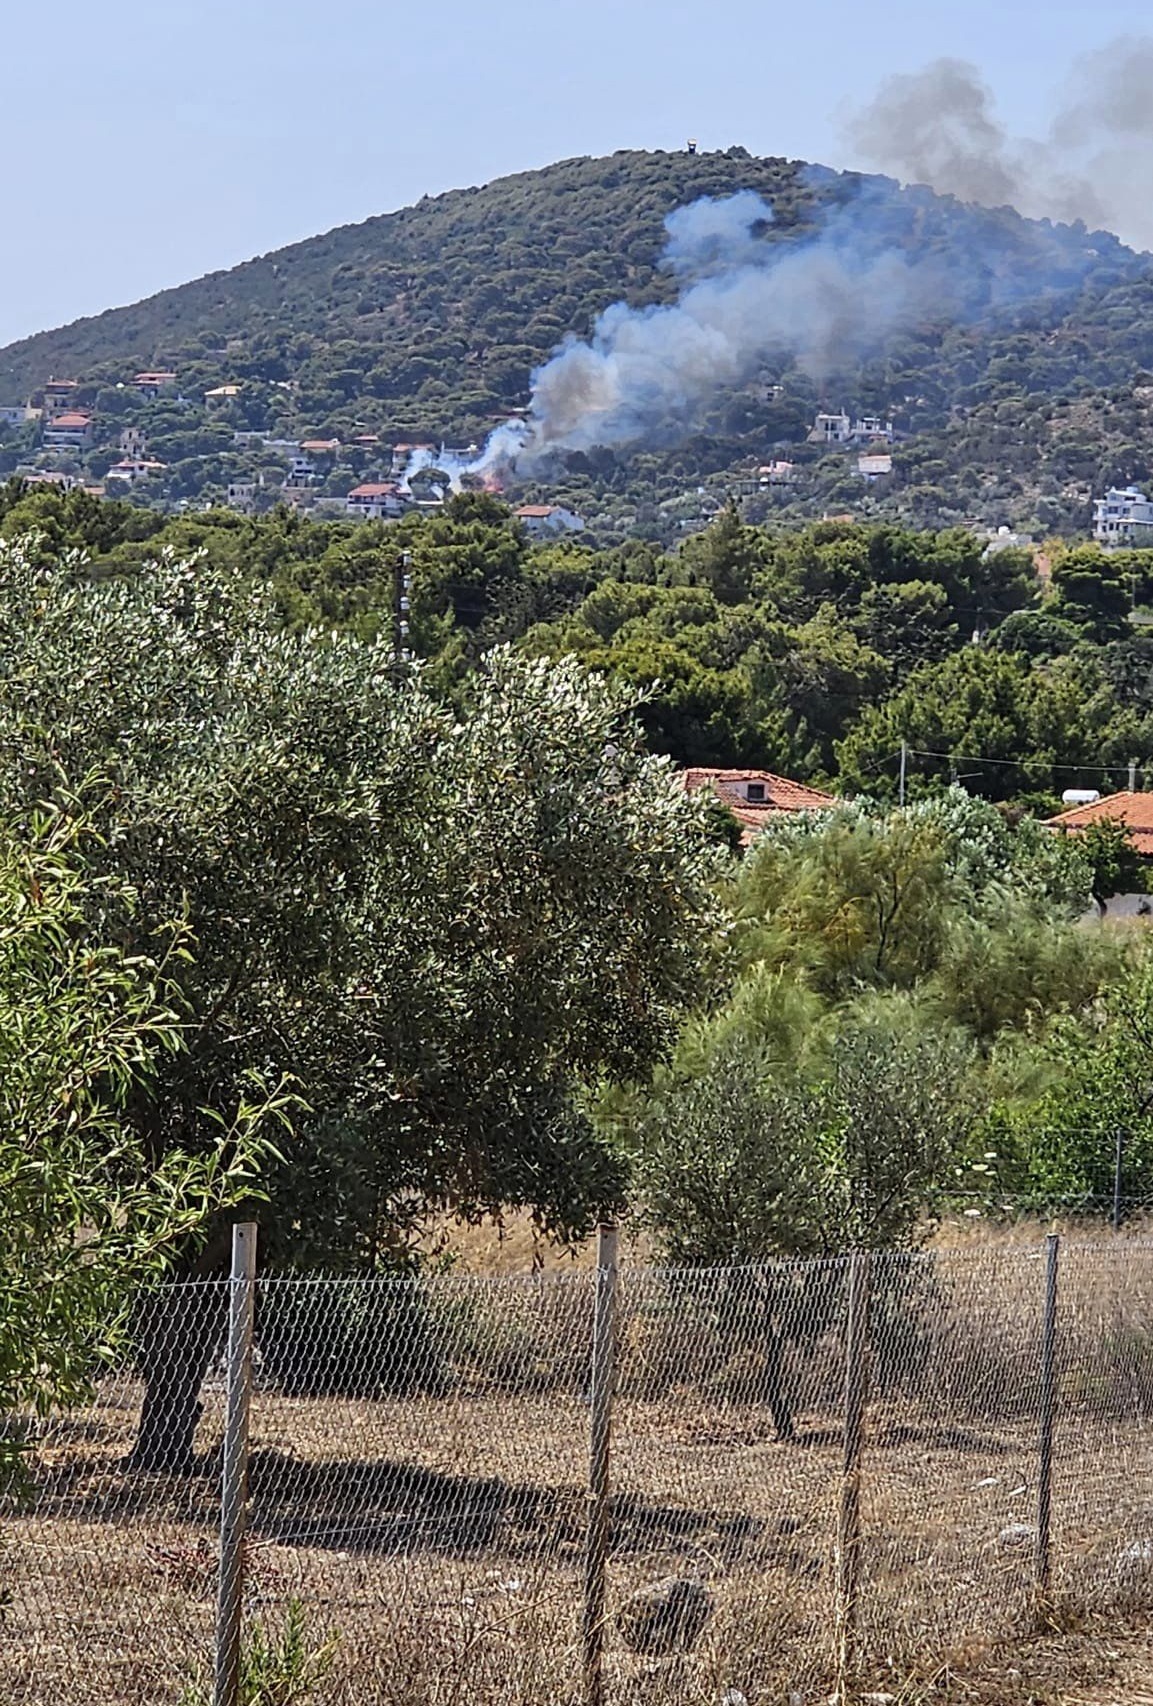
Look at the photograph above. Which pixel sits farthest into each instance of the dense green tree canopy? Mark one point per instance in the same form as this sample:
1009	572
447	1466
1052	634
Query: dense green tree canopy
84	1027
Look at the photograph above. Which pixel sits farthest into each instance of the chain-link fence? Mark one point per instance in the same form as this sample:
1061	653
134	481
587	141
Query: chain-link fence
813	1470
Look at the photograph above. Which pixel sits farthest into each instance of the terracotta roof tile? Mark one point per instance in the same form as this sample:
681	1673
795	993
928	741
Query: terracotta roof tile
781	795
1135	811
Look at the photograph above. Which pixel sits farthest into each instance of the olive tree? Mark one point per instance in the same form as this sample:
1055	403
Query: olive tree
756	1162
441	923
88	1213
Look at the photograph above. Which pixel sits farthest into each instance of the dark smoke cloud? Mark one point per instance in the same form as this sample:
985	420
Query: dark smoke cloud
938	127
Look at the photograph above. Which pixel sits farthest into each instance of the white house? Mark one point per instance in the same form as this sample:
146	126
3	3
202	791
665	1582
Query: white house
777	473
549	518
241	494
1124	516
831	429
840	429
873	427
133	468
15	414
375	500
874	464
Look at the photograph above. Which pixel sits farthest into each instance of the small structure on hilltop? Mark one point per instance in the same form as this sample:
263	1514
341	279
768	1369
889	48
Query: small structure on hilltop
755	797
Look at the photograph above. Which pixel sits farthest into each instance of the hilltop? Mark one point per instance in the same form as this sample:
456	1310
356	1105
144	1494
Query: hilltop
426	324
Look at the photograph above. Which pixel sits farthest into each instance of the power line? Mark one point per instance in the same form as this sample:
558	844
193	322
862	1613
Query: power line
1023	763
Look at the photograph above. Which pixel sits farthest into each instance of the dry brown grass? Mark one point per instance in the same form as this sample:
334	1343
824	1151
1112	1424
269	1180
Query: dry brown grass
443	1536
516	1246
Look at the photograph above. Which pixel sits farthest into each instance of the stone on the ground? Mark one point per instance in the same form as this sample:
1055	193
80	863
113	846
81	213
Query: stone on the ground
665	1618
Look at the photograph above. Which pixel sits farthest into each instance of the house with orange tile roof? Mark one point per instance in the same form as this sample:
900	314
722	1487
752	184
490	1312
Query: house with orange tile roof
756	797
549	518
59	395
69	430
1134	810
374	500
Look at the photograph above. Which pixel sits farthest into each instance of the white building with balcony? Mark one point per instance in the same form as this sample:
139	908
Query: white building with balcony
1123	517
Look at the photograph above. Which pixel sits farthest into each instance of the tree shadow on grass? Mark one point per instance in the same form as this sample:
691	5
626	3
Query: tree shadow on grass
393	1508
385	1508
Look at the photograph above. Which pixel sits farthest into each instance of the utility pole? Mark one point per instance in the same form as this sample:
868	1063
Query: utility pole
403	589
1132	775
904	764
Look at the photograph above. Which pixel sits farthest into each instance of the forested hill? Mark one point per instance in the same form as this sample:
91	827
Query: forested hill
428	322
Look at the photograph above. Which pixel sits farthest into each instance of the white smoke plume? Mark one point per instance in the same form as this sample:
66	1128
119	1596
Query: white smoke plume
939	127
826	300
647	374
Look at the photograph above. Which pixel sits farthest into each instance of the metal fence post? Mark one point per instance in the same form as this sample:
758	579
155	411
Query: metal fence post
234	1481
601	1404
849	1515
1043	1559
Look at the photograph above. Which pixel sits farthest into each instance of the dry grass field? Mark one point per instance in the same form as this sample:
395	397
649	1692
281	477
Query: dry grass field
440	1537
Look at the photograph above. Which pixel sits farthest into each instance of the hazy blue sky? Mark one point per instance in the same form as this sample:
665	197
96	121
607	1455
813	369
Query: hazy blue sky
152	141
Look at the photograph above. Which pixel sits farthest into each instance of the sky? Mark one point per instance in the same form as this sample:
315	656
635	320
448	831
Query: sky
151	143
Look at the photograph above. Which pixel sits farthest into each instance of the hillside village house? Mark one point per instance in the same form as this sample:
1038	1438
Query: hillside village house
151	384
133	468
874	464
756	797
59	396
68	431
549	518
375	500
16	414
241	495
1123	517
50	477
840	429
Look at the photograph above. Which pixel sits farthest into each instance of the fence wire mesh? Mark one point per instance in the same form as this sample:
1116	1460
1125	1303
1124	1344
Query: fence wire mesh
418	1488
